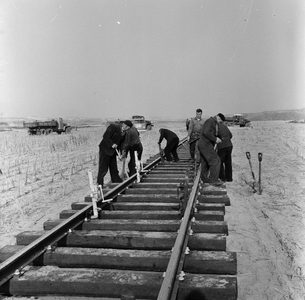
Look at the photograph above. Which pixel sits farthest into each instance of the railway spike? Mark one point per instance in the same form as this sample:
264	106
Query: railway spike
50	248
181	276
17	272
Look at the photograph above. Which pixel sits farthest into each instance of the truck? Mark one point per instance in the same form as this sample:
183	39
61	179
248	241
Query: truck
47	127
140	123
237	120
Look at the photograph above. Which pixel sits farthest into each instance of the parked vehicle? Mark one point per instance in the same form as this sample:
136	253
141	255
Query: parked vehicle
237	120
141	124
47	127
138	121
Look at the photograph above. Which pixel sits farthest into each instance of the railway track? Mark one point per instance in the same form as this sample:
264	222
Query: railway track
162	238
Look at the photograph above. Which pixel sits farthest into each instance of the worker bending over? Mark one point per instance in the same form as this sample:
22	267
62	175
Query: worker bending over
132	144
170	151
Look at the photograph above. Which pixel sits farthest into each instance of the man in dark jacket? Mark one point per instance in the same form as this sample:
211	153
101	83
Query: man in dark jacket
210	161
132	144
108	152
171	146
225	152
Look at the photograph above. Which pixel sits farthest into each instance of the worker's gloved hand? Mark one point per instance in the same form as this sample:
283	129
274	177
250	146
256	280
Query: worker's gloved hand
114	146
218	140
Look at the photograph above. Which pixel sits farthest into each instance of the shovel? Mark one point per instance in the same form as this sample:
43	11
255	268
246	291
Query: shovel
254	180
260	158
118	154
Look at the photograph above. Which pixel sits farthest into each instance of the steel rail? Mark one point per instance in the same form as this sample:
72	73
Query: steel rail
26	255
171	271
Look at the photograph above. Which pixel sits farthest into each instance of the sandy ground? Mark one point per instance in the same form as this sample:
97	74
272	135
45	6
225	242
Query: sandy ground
266	230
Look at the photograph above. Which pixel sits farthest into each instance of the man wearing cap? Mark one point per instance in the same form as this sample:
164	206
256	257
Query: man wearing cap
111	141
132	144
210	161
194	128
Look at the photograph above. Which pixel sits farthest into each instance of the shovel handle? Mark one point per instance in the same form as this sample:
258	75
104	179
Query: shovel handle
248	155
118	154
260	156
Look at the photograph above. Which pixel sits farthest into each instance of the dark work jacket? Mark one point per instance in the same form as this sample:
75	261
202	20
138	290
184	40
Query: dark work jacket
112	135
225	135
208	133
167	134
132	137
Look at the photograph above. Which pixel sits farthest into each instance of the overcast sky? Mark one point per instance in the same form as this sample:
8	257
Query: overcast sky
159	58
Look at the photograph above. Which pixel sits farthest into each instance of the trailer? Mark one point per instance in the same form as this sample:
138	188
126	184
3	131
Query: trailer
47	127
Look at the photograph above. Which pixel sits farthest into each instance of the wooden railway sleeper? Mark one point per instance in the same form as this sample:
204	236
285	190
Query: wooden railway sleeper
180	275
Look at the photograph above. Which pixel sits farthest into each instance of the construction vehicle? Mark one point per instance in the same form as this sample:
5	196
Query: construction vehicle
47	127
141	124
237	120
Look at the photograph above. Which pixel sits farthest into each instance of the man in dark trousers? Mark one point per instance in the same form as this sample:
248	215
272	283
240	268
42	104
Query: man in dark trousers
225	152
132	144
210	161
171	146
107	154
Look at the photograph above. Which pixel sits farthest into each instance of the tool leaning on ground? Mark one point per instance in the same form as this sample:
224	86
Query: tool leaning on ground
260	158
253	176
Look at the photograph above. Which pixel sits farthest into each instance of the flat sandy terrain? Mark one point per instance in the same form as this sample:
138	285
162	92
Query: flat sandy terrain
43	175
